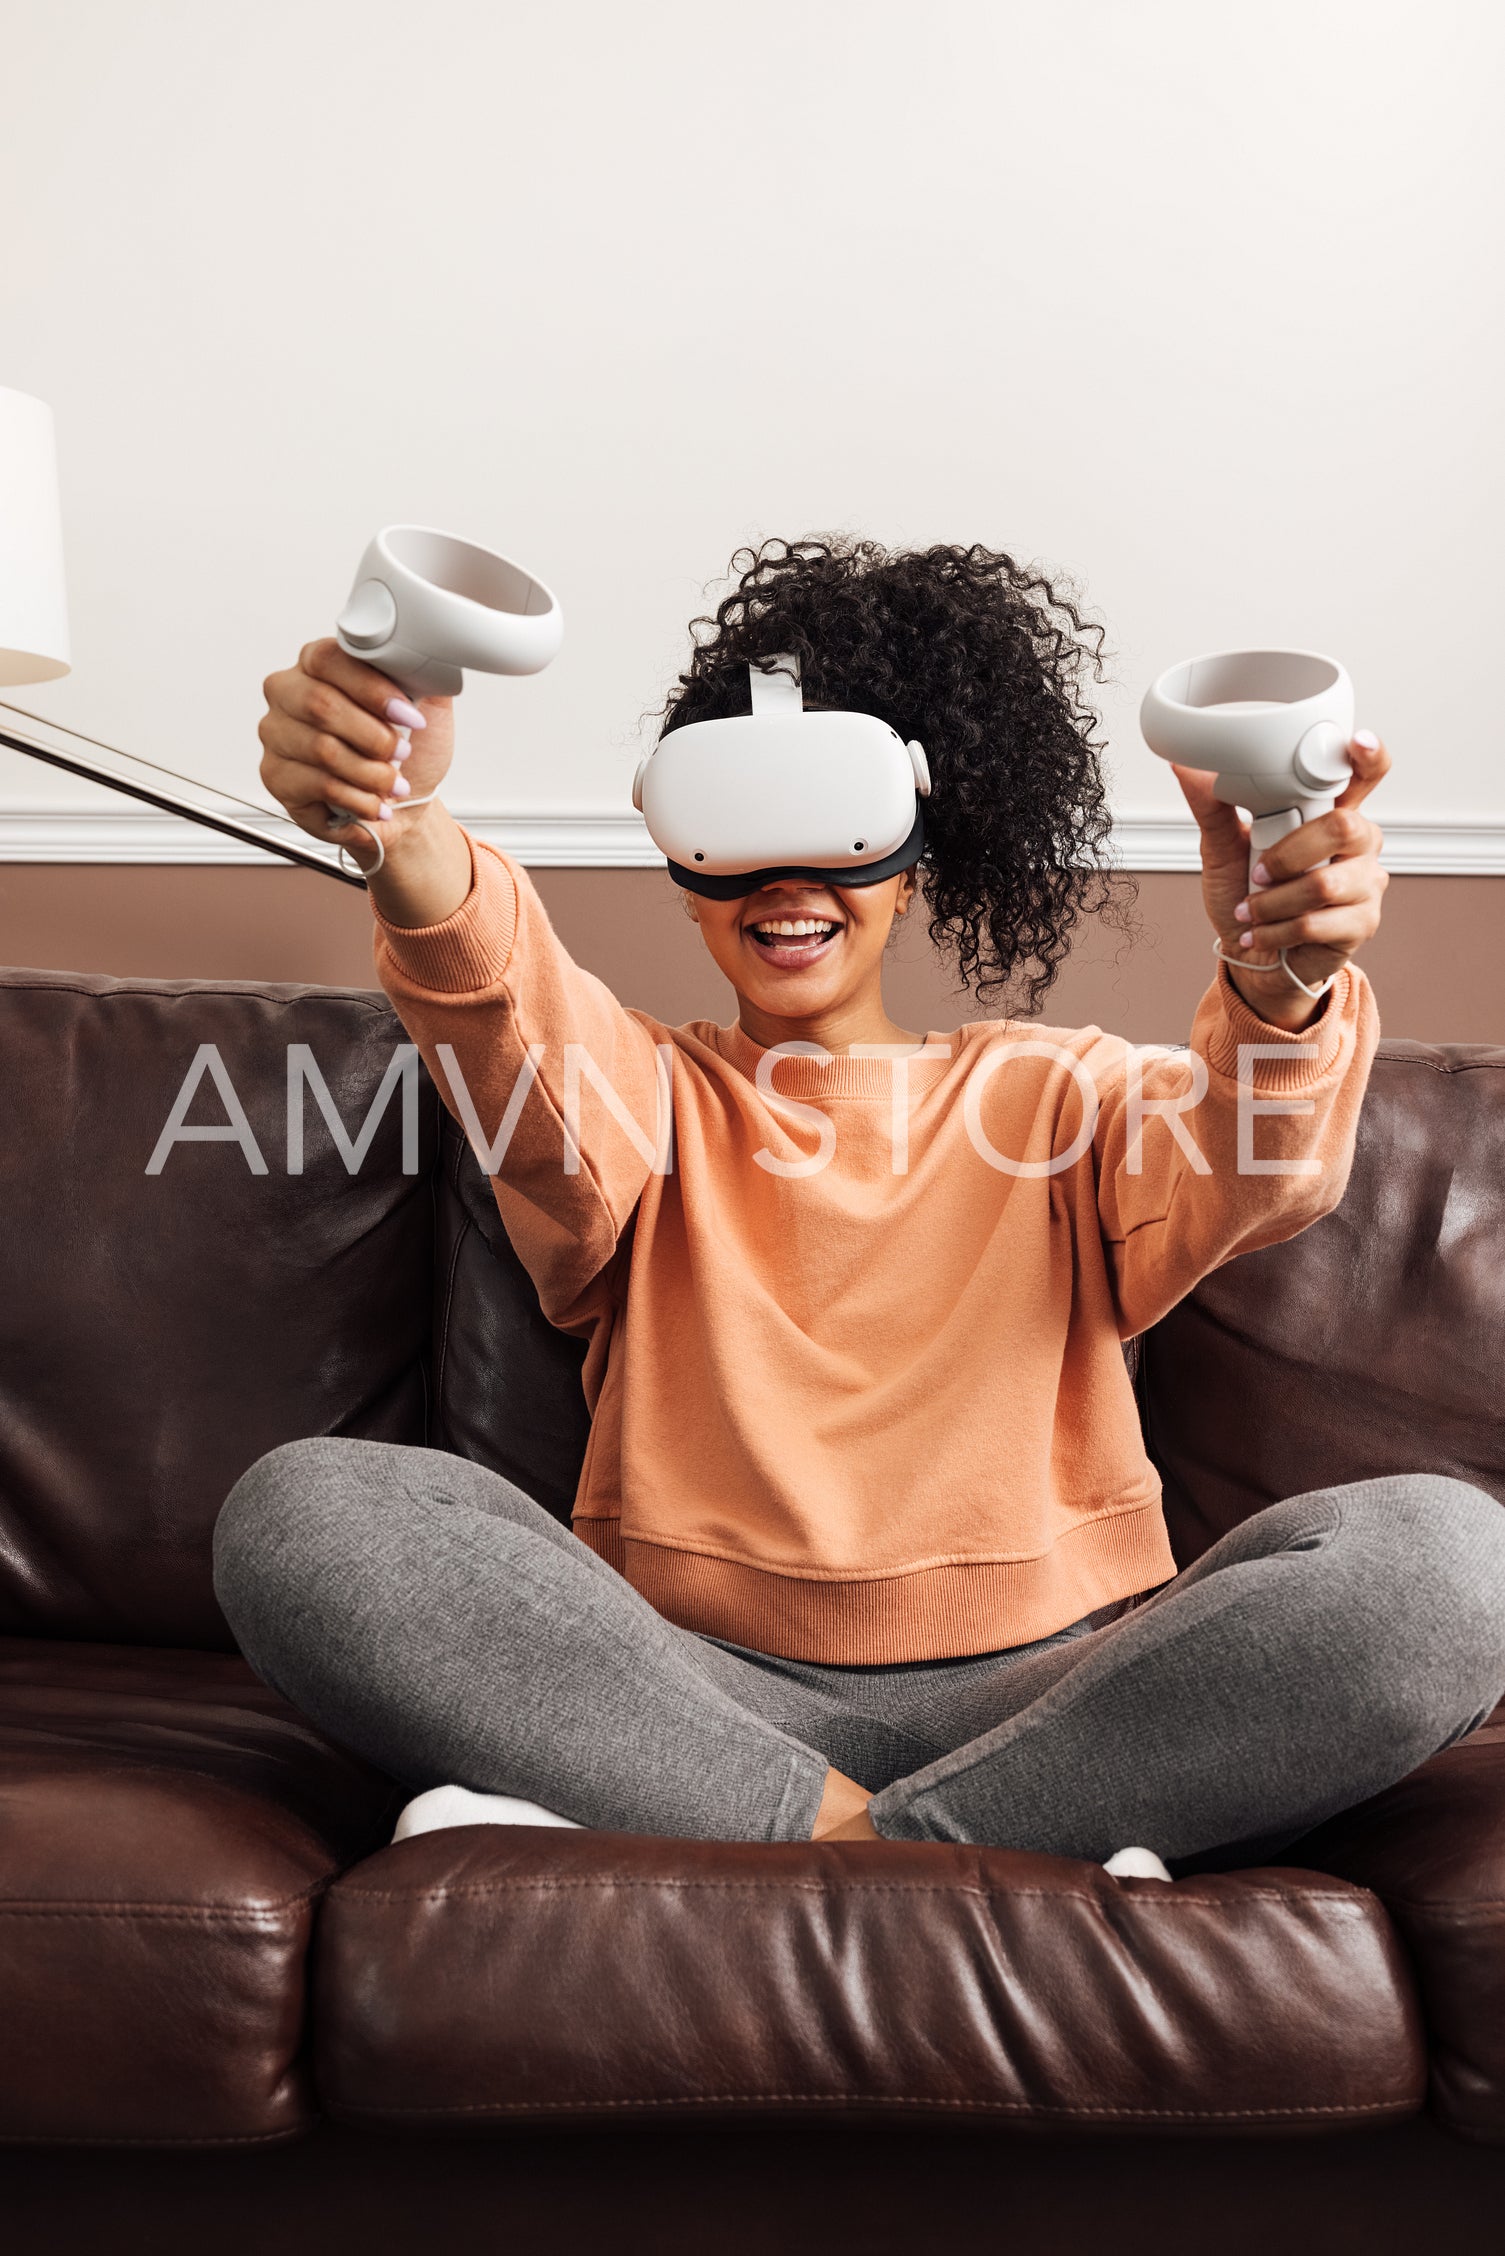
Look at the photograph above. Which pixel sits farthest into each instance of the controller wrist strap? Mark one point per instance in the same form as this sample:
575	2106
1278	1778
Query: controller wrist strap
343	819
1240	963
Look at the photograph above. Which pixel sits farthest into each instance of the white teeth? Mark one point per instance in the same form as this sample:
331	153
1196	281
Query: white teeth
796	928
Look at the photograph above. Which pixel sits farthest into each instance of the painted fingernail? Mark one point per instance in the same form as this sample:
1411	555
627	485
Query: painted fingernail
384	812
403	715
1243	912
1366	740
401	788
1259	875
401	750
1246	939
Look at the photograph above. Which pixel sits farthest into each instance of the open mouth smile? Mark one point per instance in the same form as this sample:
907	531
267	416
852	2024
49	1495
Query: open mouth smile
791	943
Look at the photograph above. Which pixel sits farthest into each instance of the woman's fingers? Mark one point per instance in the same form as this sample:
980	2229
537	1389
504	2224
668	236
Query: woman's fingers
375	693
1344	835
338	699
336	734
1343	929
1220	824
1370	763
1337	882
1336	906
1197	789
1318	887
324	660
305	790
305	744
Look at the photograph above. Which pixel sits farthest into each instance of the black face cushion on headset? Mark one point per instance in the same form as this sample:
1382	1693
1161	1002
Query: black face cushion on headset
735	885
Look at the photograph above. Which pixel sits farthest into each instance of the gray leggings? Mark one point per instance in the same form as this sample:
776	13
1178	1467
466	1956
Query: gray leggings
430	1616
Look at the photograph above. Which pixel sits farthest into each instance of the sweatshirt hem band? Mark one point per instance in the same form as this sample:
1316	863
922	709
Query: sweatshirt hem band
936	1613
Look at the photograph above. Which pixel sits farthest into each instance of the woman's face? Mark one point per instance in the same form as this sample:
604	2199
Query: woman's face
799	950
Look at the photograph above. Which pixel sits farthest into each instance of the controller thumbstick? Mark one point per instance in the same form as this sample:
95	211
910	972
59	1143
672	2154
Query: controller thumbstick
1322	757
369	618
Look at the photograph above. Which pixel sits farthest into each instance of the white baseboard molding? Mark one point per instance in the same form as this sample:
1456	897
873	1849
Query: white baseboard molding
1466	846
1463	847
140	834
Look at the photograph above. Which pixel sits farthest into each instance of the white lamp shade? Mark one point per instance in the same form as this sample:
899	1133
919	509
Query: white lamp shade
33	599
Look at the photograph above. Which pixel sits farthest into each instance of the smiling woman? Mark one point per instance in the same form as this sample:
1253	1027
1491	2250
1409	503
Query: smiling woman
866	1482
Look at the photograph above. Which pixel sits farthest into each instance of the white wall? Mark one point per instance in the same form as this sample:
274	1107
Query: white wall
1201	302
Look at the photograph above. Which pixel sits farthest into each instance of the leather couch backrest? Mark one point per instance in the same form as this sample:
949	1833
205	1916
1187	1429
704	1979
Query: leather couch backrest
1372	1343
506	1384
158	1333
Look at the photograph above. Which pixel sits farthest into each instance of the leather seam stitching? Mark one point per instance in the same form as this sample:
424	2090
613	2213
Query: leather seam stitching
263	1916
896	2099
198	988
1474	1065
201	2138
441	1360
1460	1913
1350	1906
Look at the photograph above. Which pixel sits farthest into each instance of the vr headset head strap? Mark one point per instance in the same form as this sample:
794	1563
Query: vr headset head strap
777	695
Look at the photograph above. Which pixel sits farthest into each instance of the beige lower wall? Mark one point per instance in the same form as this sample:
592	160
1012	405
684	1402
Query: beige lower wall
1438	964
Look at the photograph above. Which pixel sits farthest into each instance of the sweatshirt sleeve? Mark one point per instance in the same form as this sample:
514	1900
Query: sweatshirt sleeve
564	1095
1237	1142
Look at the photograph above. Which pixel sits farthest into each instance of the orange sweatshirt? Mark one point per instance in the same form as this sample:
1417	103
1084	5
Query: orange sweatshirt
855	1373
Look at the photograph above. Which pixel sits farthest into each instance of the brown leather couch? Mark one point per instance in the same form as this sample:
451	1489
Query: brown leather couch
253	2015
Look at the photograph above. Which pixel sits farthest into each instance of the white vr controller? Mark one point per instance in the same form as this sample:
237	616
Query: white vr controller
426	605
782	793
1275	724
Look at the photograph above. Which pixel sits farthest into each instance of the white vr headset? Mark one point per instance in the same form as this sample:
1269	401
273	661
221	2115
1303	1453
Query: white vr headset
782	793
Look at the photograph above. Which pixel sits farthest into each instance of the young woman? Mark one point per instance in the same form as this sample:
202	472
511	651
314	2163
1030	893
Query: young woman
866	1541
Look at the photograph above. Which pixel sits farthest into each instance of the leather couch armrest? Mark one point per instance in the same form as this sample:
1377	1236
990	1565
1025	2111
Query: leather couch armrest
1433	1849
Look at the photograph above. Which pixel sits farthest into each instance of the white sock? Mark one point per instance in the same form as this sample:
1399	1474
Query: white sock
457	1805
1136	1864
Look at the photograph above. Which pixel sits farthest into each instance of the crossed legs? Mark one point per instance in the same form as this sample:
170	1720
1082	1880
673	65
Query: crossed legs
427	1614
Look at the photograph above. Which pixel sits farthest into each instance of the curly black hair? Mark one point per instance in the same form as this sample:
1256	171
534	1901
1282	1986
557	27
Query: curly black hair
985	661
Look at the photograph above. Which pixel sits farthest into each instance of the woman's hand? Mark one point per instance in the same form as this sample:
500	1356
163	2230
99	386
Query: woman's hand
332	736
1316	892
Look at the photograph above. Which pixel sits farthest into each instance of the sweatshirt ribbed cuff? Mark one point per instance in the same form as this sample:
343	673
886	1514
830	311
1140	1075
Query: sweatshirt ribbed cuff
1310	1054
468	953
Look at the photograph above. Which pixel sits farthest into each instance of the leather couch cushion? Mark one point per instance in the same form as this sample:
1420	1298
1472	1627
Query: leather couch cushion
166	1826
490	1974
507	1389
1373	1342
1433	1848
159	1333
